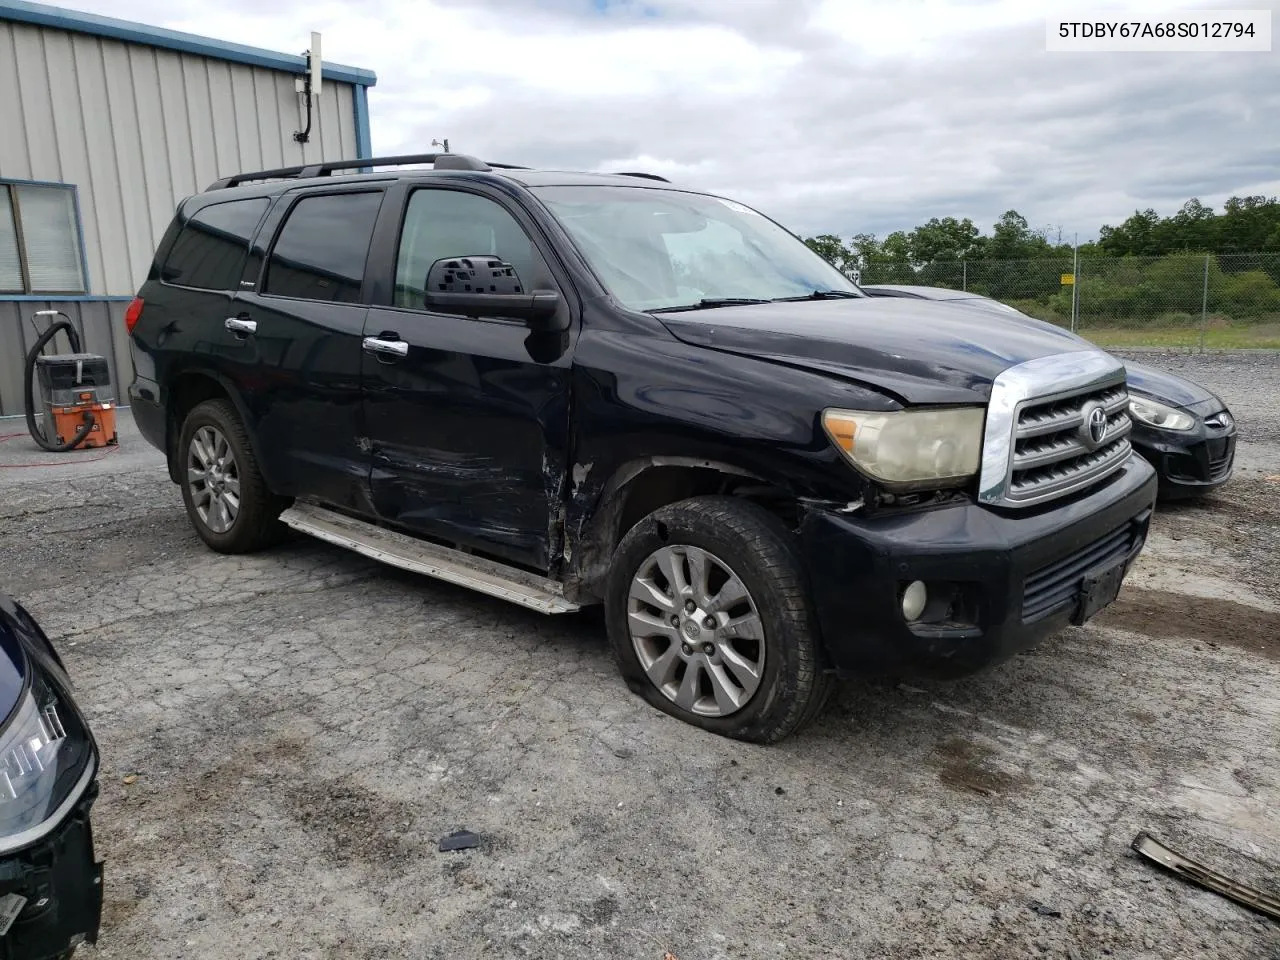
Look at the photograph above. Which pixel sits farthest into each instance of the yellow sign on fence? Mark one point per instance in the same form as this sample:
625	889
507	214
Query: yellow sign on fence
1068	279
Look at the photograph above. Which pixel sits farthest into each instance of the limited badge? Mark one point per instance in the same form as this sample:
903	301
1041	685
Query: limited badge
11	905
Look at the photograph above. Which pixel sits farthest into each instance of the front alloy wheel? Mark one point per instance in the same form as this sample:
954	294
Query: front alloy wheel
213	477
731	648
696	630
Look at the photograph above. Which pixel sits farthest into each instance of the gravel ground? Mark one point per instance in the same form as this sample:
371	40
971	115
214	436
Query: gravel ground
303	726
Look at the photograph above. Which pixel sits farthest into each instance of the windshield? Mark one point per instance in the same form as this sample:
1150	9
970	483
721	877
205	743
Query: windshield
657	249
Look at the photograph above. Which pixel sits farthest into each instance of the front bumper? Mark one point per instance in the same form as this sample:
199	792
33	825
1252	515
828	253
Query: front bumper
1188	462
61	886
1018	575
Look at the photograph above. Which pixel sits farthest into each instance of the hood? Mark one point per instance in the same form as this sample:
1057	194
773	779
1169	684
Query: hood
915	290
1169	389
917	350
1157	384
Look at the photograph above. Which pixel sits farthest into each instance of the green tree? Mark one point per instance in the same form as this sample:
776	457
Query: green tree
830	248
867	250
1013	239
897	247
1189	230
945	239
1249	225
1134	237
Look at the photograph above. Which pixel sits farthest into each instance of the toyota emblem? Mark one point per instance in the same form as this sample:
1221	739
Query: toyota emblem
1094	429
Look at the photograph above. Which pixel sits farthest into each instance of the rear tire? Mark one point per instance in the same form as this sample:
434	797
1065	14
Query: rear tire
223	490
709	617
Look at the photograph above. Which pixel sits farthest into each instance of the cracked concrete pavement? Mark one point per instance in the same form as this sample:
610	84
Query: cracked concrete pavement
304	725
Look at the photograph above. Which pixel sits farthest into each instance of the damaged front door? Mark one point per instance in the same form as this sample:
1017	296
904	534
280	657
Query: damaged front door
466	419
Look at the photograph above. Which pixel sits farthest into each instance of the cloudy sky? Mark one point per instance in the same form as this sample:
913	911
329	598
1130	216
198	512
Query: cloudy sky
837	116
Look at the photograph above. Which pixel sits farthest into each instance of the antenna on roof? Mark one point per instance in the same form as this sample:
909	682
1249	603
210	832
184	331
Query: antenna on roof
442	144
308	85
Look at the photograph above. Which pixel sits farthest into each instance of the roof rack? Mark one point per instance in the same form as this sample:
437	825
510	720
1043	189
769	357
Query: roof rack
647	176
440	161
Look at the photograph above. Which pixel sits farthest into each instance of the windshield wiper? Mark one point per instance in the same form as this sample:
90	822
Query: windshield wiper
823	295
708	303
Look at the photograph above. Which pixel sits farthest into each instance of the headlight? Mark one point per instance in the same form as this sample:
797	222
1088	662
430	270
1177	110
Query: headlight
46	762
910	446
1160	415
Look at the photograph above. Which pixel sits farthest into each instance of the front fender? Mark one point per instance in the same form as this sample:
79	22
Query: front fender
644	403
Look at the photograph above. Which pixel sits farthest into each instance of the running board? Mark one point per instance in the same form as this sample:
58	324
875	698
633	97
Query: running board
418	556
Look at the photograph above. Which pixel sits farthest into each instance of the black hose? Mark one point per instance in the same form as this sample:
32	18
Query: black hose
28	375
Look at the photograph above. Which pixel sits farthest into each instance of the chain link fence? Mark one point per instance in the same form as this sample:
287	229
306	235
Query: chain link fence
1189	301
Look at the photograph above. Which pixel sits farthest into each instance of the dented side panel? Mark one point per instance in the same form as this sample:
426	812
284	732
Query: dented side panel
468	433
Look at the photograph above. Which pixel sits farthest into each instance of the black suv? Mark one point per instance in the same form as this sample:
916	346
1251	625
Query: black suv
567	389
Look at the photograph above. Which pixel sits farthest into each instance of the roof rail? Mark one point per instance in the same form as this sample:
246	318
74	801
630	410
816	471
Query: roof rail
647	176
440	161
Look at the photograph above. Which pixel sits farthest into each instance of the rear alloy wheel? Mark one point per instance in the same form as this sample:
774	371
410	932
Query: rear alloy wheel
224	492
213	478
710	620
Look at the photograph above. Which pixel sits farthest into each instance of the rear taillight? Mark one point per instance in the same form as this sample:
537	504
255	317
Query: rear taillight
132	314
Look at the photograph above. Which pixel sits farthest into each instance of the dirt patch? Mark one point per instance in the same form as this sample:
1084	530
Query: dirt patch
1247	501
352	823
1159	613
966	767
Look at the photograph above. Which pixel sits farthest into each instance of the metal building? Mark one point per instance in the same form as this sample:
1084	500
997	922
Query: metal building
105	126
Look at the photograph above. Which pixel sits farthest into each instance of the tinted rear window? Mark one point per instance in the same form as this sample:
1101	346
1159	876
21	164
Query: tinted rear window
210	250
321	251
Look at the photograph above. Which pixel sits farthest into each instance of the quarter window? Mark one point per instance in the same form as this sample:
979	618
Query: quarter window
451	223
210	251
39	239
321	251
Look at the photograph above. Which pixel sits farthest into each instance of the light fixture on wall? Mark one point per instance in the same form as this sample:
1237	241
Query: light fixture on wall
308	85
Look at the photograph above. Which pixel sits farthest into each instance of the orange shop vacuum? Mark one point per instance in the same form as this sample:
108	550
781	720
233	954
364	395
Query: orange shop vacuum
74	392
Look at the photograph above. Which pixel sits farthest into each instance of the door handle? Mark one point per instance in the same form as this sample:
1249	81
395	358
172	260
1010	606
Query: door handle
394	348
241	325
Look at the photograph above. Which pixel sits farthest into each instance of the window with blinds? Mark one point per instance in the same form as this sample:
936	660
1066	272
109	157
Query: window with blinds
39	240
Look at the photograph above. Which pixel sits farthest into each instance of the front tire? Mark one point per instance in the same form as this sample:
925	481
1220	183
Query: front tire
710	620
223	490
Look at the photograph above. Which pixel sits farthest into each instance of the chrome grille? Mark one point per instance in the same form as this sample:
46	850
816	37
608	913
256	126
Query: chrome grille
1037	442
1053	451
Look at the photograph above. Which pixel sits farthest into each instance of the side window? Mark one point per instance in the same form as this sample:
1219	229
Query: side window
450	223
209	252
321	251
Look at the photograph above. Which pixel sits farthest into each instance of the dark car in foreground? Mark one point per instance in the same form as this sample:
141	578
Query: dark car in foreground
1186	432
569	389
50	881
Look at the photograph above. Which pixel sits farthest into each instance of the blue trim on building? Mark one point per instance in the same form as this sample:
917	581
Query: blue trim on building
364	139
57	298
75	205
35	183
59	18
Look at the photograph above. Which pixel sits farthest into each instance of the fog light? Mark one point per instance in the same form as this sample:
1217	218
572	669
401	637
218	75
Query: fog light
914	599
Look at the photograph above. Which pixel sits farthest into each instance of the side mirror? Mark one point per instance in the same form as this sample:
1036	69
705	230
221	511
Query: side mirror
486	286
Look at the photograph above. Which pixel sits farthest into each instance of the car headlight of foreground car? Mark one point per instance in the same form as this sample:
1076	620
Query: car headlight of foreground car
46	763
920	447
1156	414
